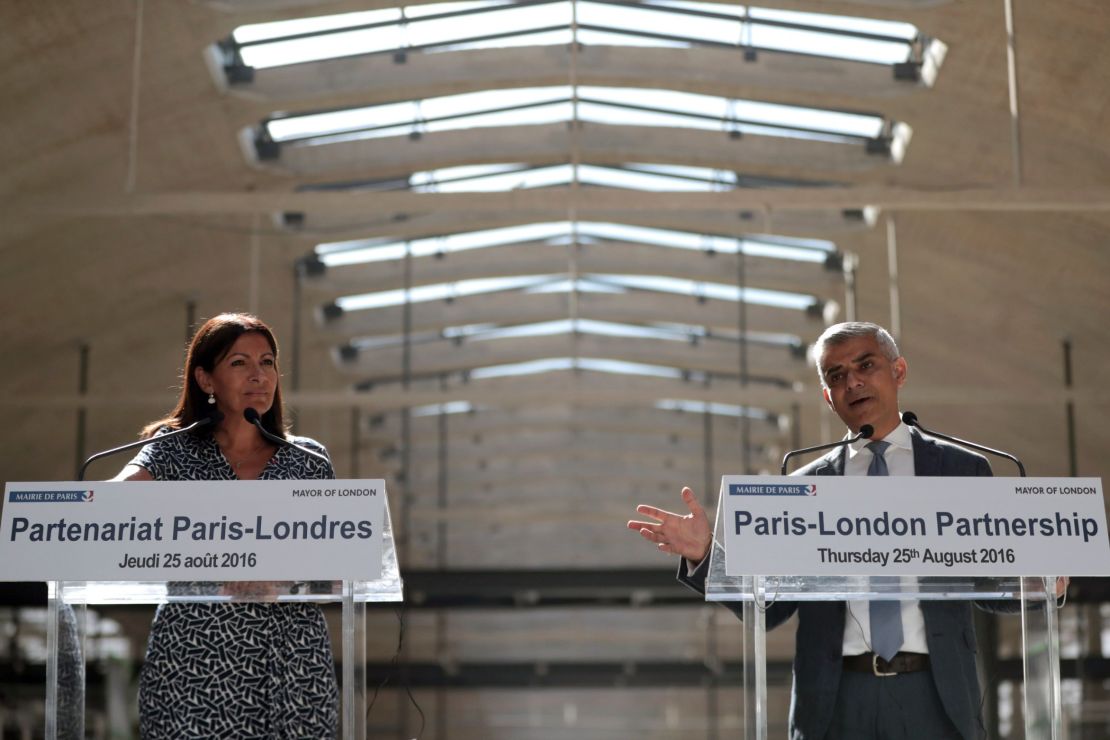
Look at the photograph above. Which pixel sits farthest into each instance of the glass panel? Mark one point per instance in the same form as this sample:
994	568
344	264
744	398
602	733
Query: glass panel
1042	704
721	587
387	588
1041	641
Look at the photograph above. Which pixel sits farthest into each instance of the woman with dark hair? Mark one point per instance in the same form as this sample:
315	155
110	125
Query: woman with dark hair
248	669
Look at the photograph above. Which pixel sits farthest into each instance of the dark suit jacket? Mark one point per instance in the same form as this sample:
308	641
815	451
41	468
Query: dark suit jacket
818	661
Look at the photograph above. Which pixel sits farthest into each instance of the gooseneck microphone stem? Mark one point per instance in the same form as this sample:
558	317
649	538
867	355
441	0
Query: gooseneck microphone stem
143	442
252	416
865	432
910	419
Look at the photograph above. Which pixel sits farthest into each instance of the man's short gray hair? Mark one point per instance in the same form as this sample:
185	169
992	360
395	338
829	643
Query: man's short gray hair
841	333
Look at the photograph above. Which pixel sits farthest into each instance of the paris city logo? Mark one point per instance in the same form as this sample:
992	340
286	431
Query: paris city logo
772	489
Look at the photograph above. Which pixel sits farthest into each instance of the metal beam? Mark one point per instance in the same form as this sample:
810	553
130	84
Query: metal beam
589	674
818	223
537	391
620	421
554	203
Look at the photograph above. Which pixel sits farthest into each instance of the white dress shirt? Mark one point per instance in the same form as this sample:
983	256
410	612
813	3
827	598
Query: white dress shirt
857	622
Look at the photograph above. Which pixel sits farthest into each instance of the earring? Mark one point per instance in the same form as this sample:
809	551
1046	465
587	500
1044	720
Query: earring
211	398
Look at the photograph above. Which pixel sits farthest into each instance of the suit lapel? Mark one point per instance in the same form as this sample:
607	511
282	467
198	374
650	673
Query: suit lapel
926	454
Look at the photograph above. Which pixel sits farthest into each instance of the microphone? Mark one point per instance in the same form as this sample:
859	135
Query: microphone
865	432
251	415
213	418
910	420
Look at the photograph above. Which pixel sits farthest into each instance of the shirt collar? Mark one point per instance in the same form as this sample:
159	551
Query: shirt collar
898	438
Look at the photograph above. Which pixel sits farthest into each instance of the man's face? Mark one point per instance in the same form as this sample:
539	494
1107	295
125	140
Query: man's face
862	384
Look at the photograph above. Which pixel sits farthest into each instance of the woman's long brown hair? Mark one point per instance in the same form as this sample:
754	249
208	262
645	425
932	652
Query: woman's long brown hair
211	344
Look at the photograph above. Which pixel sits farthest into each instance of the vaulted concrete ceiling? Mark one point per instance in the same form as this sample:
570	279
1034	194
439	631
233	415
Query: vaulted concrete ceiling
129	199
128	207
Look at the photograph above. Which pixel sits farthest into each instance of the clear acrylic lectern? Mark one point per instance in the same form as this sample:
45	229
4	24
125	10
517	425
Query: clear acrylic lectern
1040	638
68	601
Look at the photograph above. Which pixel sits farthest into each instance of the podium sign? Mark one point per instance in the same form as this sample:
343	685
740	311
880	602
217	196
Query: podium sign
818	538
914	526
128	542
193	531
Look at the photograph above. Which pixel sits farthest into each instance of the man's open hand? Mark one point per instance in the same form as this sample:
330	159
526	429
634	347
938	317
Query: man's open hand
689	536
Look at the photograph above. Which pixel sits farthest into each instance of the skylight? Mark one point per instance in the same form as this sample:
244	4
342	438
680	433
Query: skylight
602	105
518	176
578	326
502	177
338	254
712	407
709	291
451	407
525	178
665	331
653	283
616	367
439	292
453	26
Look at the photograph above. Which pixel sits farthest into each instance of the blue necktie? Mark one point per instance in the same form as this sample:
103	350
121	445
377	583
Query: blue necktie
886	616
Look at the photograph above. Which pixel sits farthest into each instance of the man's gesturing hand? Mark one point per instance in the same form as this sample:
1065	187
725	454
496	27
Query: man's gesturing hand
688	536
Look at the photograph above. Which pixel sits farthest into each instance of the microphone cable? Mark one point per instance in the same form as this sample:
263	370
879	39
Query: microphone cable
399	611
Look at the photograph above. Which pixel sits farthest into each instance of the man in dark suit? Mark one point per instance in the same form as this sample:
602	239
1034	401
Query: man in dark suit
925	686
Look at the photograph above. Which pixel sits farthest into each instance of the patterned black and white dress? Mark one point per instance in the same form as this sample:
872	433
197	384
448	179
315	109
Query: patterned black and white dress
243	670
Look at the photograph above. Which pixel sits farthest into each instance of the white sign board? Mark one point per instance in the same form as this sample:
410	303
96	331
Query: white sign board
918	526
195	531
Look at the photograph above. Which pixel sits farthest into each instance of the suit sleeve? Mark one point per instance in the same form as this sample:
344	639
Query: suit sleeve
983	468
777	612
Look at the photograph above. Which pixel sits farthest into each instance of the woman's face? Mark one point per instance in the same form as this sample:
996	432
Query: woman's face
245	377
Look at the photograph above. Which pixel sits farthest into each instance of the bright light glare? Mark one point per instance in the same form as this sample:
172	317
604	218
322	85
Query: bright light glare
558	234
874	26
711	291
535	367
579	326
405	113
262	31
349	253
439	291
435	409
575	286
608	105
424	26
719	409
442	181
488	332
654	283
726	108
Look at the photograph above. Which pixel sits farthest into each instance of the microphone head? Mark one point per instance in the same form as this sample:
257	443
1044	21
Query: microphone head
909	418
251	414
866	431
